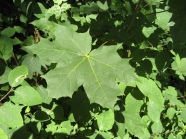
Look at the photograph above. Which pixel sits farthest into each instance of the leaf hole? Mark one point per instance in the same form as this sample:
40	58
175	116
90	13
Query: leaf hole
20	77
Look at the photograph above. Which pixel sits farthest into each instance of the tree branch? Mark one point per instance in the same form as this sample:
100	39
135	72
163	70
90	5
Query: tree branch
11	90
134	14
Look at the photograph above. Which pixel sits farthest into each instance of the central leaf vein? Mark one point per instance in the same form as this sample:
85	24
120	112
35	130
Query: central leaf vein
97	79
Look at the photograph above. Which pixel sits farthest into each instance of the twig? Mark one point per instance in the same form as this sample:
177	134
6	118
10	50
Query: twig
157	12
11	90
134	14
104	43
37	37
181	97
132	21
15	59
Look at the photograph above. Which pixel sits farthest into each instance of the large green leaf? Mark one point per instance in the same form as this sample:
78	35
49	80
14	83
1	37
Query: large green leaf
26	95
10	115
156	100
96	70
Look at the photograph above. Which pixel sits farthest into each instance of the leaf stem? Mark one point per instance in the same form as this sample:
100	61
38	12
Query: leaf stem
11	90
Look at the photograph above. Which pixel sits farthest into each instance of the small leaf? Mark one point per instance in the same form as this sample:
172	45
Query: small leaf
23	18
171	94
162	19
58	1
17	75
66	127
157	127
26	95
183	115
103	6
147	31
182	66
51	128
10	116
171	112
105	120
18	29
9	32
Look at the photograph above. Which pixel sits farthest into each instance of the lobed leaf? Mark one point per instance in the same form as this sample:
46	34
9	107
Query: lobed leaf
96	70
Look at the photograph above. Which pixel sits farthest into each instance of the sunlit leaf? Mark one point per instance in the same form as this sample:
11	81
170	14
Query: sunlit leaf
105	120
156	100
147	31
96	70
26	95
17	75
10	116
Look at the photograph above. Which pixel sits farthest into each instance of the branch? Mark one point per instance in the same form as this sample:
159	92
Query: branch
15	59
134	14
11	90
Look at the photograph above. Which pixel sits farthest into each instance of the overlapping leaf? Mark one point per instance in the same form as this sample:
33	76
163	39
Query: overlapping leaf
26	95
96	70
10	115
135	125
156	100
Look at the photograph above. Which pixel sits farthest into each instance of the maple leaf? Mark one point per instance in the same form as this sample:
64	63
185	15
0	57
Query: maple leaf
96	70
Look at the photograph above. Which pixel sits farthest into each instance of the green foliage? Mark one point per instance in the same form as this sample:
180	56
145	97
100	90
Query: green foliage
101	69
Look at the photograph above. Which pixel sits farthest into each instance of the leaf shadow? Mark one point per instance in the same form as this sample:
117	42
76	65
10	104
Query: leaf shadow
80	106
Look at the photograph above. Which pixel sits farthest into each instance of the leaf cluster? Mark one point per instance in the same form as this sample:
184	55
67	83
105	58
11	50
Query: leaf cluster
102	69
